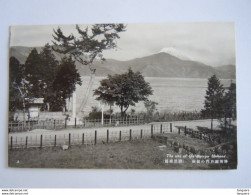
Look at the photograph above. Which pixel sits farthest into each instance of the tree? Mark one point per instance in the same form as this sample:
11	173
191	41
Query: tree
18	87
15	81
48	63
89	44
124	90
48	73
150	108
40	72
65	82
214	99
230	101
34	73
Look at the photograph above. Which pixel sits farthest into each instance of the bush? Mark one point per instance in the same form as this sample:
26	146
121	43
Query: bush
97	114
176	116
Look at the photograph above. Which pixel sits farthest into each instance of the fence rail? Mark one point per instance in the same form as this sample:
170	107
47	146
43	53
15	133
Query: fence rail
79	138
57	138
63	124
31	125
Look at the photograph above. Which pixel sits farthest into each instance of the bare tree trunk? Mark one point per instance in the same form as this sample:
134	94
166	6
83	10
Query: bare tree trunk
121	112
48	107
23	98
24	114
65	107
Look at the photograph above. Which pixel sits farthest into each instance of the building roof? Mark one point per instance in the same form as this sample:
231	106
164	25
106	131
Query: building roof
36	100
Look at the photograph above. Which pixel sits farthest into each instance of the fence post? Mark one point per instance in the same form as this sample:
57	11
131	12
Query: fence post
26	142
171	128
141	133
75	122
65	124
11	142
54	124
161	128
130	135
83	139
179	131
107	139
69	139
151	130
55	141
95	138
29	126
120	135
41	141
185	131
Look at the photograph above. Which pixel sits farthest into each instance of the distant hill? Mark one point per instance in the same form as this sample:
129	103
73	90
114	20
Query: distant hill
21	53
157	65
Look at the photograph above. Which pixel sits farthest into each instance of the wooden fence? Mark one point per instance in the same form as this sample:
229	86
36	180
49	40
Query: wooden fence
57	138
76	138
210	136
31	125
63	124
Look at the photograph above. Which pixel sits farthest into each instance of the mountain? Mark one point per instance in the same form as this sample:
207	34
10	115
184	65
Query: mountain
161	64
227	71
175	52
21	53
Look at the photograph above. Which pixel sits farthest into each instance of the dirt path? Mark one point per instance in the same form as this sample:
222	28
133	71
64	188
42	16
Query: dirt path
189	124
101	131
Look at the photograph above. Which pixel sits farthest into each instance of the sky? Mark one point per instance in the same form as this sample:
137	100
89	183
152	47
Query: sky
209	43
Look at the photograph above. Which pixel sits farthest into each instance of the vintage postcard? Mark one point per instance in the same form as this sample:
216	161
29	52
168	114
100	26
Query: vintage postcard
123	96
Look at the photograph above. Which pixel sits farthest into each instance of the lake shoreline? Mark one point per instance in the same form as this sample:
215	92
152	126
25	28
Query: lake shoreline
171	94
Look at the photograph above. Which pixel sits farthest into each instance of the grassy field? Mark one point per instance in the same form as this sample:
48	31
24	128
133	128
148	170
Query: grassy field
138	154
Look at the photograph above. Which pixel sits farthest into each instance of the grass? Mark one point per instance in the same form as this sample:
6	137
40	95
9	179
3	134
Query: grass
138	154
126	155
174	116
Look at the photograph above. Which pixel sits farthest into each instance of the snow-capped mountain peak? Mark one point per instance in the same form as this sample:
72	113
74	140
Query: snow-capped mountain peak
175	52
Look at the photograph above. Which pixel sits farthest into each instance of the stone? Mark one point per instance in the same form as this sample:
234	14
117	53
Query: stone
65	147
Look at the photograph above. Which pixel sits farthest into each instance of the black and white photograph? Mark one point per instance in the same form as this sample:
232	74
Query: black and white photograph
123	96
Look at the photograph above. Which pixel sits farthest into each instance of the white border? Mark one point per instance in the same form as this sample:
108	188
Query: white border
28	12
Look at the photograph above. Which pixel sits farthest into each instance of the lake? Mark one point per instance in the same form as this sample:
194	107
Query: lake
171	94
